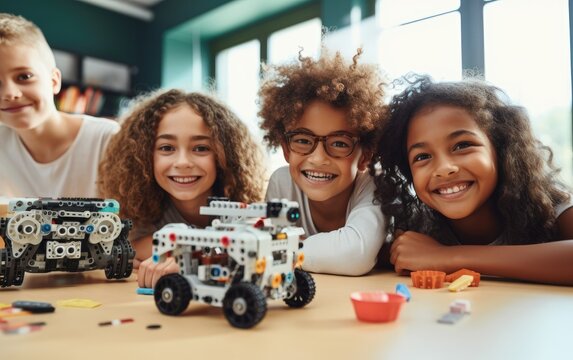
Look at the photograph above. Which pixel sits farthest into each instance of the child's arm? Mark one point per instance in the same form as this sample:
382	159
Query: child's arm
149	272
546	262
352	249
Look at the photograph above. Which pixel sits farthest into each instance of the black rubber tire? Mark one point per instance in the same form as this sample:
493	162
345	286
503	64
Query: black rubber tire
172	294
305	290
244	305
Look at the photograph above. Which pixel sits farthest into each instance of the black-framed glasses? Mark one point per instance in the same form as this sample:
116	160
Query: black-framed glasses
336	145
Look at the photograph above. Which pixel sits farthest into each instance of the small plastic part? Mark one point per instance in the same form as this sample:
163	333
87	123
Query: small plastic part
402	289
376	306
455	275
450	318
458	309
79	303
461	283
153	326
34	307
428	279
461	306
145	291
116	322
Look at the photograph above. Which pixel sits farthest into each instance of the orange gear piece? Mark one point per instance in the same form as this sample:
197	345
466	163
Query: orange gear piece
428	279
455	275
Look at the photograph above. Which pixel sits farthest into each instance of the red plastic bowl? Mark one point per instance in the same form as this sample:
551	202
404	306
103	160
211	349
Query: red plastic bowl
376	306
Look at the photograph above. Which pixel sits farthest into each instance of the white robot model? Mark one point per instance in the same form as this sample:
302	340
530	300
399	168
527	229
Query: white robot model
250	253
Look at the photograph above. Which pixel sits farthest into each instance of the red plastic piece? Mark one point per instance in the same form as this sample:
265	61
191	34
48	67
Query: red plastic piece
376	306
428	279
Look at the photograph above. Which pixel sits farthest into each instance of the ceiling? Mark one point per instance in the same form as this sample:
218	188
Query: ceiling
136	8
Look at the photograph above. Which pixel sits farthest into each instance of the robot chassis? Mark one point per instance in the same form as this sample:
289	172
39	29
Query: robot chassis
63	234
238	262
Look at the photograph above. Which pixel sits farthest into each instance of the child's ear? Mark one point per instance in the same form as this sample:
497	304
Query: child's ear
286	151
56	81
364	159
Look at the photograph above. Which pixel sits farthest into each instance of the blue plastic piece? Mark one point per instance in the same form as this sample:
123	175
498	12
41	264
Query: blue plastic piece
145	291
402	289
89	229
46	228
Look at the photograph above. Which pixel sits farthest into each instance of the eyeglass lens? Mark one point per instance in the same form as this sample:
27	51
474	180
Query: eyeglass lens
335	145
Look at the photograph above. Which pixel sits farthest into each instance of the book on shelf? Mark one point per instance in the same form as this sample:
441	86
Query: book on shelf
73	100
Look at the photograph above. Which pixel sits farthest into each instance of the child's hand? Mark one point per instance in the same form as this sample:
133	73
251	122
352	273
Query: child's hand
415	251
149	272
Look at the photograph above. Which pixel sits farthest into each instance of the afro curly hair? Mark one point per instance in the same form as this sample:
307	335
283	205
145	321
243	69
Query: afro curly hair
287	90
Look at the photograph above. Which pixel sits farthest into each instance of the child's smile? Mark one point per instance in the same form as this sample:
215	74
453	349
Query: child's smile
318	176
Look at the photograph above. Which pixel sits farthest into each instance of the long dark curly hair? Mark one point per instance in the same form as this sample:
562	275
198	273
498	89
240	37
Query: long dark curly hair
287	89
126	172
527	189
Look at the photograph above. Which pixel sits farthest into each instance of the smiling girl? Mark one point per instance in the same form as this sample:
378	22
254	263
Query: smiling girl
174	150
486	193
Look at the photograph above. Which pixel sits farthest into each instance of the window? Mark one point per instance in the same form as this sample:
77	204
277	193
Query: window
530	60
238	81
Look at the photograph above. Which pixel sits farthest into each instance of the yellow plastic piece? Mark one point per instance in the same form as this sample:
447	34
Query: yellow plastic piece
276	281
79	303
261	265
461	283
281	236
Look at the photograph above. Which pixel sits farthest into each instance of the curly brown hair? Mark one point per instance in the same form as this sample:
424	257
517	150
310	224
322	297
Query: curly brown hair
126	172
287	89
527	189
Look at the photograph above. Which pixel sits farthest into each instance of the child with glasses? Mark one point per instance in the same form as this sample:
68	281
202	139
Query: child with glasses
323	113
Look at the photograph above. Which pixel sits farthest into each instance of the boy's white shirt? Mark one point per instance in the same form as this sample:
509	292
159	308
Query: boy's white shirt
350	250
73	174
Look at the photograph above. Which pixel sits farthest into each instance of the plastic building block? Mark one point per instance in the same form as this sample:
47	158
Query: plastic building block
458	309
461	283
249	254
454	276
34	307
144	291
428	279
79	303
66	234
461	306
403	290
376	306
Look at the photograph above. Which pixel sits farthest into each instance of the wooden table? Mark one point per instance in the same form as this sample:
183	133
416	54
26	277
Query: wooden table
509	320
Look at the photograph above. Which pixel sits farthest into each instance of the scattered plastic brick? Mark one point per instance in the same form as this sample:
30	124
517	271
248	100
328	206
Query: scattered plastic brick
428	279
35	307
145	291
461	283
402	289
79	303
116	322
455	275
458	309
153	326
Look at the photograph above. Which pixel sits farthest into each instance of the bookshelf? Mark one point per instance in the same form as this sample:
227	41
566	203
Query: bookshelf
92	86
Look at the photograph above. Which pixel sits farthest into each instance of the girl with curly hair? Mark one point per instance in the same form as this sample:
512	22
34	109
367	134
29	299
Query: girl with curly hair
460	170
174	150
324	113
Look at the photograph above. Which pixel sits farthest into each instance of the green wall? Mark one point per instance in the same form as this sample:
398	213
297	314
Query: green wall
85	29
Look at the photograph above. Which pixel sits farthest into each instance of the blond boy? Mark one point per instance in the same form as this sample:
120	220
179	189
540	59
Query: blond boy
43	151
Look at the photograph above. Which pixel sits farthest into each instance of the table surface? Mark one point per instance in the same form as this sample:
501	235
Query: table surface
509	320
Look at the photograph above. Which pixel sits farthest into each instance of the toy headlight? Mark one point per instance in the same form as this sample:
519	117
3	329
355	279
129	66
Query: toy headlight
293	214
